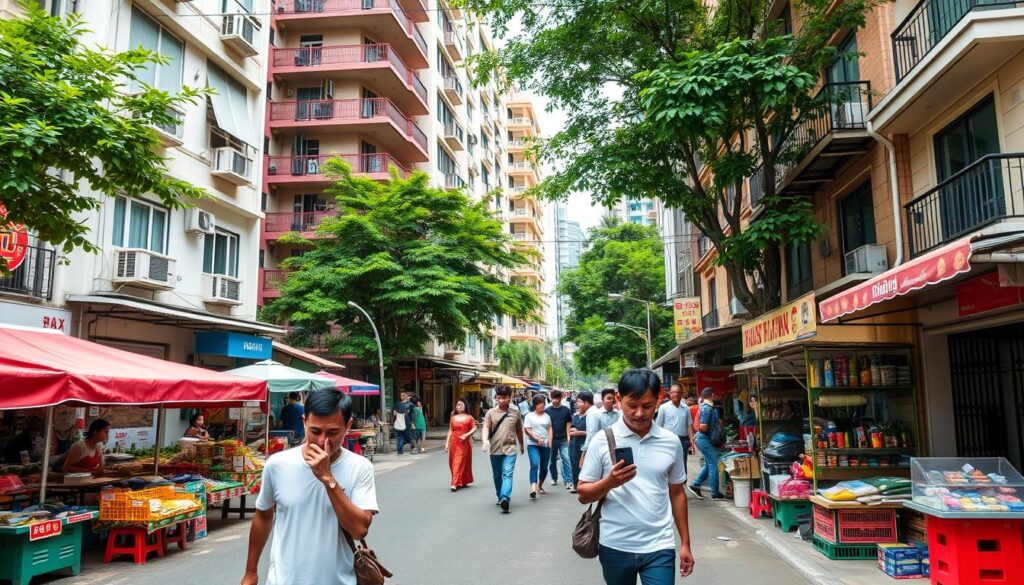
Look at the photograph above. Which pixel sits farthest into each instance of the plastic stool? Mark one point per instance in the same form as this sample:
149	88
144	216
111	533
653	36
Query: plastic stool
140	546
177	533
760	504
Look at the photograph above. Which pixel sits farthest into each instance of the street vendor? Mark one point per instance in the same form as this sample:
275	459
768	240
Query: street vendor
86	456
197	428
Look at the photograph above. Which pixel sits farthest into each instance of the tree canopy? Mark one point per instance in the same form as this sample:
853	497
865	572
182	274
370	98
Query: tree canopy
67	121
522	358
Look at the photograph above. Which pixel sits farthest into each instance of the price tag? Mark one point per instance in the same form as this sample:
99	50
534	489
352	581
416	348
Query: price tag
41	530
79	518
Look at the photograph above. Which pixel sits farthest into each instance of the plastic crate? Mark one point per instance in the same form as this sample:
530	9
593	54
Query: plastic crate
134	506
855	526
844	552
975	552
786	513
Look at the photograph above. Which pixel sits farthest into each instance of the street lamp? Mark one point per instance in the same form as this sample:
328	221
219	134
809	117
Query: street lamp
643	335
380	356
647	304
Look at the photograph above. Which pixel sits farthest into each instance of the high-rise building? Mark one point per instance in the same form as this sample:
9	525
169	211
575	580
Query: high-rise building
567	249
642	211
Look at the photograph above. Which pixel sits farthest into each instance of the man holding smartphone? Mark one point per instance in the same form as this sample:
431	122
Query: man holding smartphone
645	503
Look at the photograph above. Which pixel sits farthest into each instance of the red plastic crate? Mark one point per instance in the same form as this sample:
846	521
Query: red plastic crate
975	552
855	526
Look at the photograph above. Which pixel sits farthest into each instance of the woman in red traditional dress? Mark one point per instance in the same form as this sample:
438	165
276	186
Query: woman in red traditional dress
459	445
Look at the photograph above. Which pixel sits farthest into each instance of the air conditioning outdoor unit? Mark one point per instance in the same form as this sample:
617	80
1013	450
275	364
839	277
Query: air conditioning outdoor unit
198	221
238	31
848	114
144	269
173	133
736	308
222	290
866	259
231	164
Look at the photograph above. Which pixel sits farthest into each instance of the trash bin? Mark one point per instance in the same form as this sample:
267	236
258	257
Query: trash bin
741	493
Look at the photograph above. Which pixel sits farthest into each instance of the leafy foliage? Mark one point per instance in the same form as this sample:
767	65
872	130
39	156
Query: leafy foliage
67	122
522	358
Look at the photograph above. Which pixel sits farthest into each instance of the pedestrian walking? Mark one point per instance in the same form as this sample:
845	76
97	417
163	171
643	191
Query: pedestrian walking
420	421
674	416
538	444
459	445
578	434
602	417
503	430
642	489
314	498
707	419
561	421
404	423
291	417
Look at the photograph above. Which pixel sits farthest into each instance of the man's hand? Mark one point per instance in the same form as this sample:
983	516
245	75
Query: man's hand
318	460
621	473
685	561
250	578
486	447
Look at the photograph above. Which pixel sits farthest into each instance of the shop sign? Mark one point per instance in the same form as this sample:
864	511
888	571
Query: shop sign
426	374
790	322
41	530
13	242
79	518
985	293
35	316
235	345
721	382
686	317
932	268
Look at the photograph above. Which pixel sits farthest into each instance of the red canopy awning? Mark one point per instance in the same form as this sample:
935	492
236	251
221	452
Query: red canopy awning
42	369
350	386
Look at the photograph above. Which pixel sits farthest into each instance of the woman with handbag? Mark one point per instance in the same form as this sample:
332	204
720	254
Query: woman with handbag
459	445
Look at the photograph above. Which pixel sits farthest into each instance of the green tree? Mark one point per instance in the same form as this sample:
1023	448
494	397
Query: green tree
419	259
521	357
655	90
67	121
628	259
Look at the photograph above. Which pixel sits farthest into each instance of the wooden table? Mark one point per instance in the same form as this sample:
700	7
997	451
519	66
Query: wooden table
91	483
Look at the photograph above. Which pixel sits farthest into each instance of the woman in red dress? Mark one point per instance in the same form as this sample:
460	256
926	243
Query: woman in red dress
459	445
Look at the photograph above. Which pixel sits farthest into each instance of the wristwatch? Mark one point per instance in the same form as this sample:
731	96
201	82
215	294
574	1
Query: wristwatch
332	483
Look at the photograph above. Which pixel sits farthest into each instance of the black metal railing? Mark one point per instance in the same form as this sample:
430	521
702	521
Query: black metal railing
34	277
709	321
928	23
990	189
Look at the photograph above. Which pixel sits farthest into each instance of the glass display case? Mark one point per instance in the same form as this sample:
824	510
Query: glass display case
986	485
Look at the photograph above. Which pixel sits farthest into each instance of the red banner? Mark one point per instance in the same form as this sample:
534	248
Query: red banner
721	382
985	293
41	530
932	268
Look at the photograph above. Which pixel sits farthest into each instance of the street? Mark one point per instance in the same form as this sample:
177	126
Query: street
427	535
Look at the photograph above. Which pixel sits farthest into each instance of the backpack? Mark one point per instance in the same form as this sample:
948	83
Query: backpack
716	432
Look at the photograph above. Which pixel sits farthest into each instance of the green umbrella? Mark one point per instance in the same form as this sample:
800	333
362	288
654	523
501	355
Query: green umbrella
282	378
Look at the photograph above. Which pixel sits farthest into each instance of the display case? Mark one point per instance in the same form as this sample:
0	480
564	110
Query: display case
977	485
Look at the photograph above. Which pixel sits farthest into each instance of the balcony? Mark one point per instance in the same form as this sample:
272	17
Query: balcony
528	331
453	44
453	90
942	50
521	123
520	167
516	145
387	19
307	170
986	192
34	277
276	224
709	320
377	118
823	144
270	283
455	136
377	65
454	181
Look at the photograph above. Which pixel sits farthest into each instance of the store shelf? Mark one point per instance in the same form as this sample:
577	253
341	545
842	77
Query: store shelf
860	389
841	473
870	451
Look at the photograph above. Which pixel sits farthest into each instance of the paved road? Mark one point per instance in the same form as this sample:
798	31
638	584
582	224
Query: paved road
429	536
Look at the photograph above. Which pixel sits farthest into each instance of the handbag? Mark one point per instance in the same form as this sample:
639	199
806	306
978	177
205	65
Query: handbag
367	567
587	535
400	422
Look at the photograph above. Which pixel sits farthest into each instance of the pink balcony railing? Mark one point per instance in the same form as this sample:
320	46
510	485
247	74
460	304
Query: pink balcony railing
292	221
312	164
352	7
352	109
343	54
273	279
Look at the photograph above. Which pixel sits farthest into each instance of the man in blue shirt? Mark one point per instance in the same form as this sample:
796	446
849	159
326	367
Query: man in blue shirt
292	415
707	420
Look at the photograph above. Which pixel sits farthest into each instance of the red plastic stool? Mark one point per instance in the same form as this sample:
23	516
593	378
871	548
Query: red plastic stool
760	504
178	533
139	546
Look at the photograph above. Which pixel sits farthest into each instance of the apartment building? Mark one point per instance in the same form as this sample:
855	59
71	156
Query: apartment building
644	211
566	248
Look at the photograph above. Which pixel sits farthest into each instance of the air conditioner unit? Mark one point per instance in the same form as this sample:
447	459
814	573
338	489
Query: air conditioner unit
238	31
144	269
736	308
231	164
849	114
198	221
473	139
173	133
281	5
866	259
222	290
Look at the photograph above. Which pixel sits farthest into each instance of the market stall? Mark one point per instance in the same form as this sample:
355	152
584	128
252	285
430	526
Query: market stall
363	440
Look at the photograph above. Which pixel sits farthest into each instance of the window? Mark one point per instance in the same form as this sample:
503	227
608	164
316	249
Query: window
471	344
140	224
786	20
150	35
798	271
445	163
220	254
232	6
967	139
857	219
845	68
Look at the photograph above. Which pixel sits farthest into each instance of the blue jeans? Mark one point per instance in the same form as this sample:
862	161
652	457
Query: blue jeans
502	467
575	454
622	568
402	438
538	462
710	469
560	450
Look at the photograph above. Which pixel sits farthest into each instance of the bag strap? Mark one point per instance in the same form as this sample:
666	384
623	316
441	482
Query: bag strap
611	455
351	544
498	424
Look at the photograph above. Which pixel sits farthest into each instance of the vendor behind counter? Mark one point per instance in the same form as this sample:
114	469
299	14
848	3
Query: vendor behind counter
22	447
86	456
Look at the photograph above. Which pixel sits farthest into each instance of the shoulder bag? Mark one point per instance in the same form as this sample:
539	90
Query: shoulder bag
367	567
587	535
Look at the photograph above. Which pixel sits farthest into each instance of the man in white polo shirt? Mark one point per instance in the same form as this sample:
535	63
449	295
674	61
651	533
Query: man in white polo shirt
642	501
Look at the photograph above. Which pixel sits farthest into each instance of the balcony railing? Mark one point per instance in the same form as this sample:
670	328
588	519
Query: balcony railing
345	54
352	109
312	164
454	181
534	330
34	277
451	39
987	191
273	279
452	83
291	221
928	23
710	320
520	166
848	107
341	7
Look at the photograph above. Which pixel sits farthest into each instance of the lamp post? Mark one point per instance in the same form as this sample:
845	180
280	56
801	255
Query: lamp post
647	305
380	356
643	335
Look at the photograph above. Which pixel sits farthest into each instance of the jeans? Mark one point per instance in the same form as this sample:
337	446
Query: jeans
560	450
686	451
538	462
502	467
402	438
622	568
575	454
710	468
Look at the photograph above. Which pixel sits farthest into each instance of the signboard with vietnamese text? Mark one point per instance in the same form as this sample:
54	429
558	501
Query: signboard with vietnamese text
686	318
35	316
721	382
47	529
986	293
791	322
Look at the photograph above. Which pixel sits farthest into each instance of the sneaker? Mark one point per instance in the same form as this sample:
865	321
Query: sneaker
533	494
696	491
554	482
422	450
569	487
504	505
716	497
573	491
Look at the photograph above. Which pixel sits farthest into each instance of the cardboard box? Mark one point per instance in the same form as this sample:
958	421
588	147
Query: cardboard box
898	553
743	468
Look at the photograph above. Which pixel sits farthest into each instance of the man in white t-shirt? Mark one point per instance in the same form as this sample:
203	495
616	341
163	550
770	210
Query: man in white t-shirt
309	494
674	416
644	500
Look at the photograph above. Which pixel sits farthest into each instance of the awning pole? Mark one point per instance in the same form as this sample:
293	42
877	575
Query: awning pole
266	444
159	440
46	454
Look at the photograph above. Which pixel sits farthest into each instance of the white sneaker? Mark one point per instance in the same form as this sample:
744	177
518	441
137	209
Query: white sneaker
568	487
554	482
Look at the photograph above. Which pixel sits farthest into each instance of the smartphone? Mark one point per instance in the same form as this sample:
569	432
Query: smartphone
625	454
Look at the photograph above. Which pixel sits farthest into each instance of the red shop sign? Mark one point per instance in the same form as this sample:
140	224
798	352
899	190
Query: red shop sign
41	530
982	294
13	242
721	382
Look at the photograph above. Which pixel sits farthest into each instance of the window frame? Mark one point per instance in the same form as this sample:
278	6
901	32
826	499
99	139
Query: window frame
805	284
864	190
126	224
229	235
163	32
